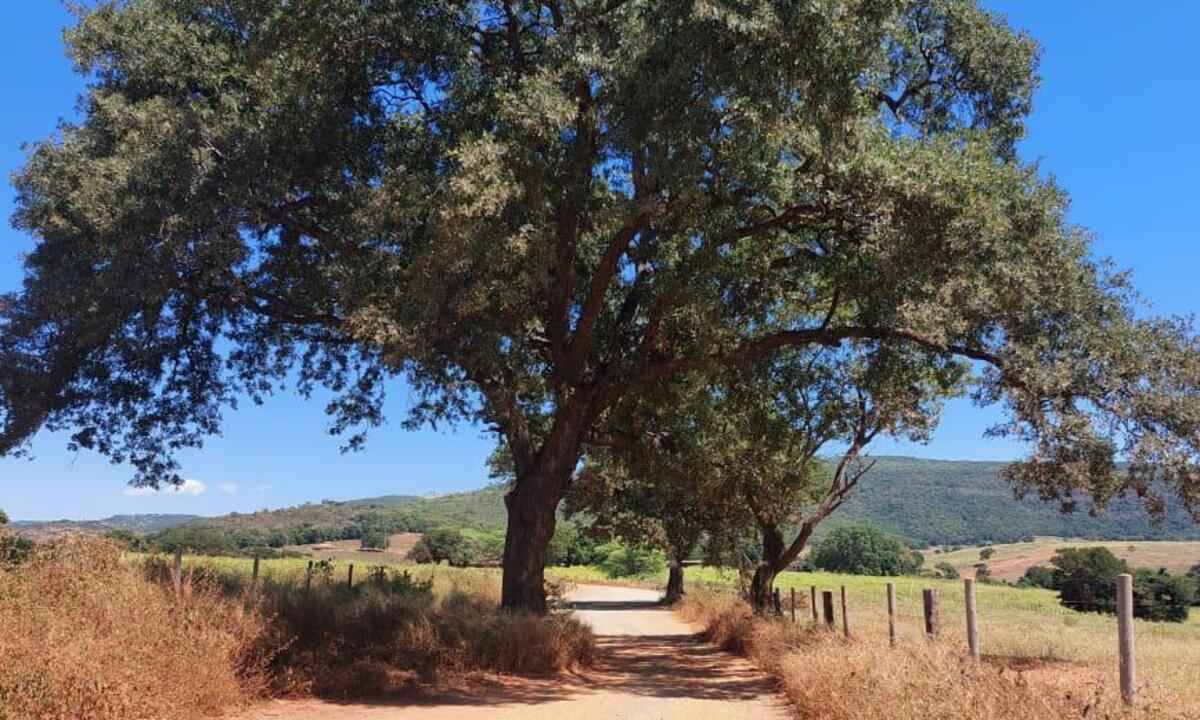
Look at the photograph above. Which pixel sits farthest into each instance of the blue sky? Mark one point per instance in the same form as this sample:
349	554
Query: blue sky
1114	122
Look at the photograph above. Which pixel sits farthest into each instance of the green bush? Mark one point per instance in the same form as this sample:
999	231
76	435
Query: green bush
946	570
376	539
1162	597
1087	578
987	553
622	561
1039	576
446	544
865	550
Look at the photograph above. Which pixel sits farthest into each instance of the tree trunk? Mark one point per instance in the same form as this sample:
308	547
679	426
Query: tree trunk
675	582
771	565
532	504
761	587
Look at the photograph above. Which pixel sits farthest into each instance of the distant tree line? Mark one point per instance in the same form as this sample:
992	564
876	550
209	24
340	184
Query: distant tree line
1085	579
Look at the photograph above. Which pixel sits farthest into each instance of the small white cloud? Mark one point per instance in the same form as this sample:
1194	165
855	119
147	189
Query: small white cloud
229	488
189	487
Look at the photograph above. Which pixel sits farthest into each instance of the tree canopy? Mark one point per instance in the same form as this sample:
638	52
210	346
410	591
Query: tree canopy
865	550
529	209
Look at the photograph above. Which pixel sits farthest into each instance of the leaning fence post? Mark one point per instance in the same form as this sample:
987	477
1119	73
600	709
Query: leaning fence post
845	614
972	617
816	619
254	578
308	576
827	602
891	607
793	606
177	572
350	577
930	598
1125	637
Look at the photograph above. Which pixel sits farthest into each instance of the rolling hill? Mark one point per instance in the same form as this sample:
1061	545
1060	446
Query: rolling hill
140	524
956	502
926	501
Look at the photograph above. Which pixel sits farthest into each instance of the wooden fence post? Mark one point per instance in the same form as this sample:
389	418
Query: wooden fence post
350	577
778	601
1125	637
254	578
177	572
308	576
891	607
793	606
972	618
827	602
930	598
845	614
816	619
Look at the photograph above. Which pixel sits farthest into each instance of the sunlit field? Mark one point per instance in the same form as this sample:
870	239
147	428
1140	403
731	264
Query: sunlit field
1019	628
1011	560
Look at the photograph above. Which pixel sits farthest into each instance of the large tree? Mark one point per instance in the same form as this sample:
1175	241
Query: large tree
530	209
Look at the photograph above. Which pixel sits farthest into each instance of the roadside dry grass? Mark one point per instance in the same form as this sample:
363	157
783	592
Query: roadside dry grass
831	678
87	633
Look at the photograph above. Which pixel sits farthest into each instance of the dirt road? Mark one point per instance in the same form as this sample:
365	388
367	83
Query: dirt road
651	666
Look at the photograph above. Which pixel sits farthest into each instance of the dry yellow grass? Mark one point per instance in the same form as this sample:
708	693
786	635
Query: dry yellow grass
831	678
84	635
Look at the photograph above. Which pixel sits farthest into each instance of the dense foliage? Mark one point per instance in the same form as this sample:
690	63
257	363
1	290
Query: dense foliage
533	210
1086	579
865	550
630	560
1161	596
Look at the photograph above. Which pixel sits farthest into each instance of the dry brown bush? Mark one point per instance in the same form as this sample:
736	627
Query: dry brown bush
828	677
84	635
393	630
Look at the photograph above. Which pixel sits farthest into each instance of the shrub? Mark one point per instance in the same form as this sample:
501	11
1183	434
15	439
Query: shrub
1162	597
983	573
376	539
446	544
1087	578
364	640
987	553
865	550
946	570
1039	576
623	561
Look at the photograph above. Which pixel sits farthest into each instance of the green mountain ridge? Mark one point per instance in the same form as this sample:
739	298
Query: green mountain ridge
942	502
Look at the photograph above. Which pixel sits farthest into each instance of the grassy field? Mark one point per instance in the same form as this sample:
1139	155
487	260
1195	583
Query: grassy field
1021	629
1011	560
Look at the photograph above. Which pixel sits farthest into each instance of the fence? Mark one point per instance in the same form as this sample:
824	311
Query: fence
933	614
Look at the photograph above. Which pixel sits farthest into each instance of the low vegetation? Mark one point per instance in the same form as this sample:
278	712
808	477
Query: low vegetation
87	631
85	635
